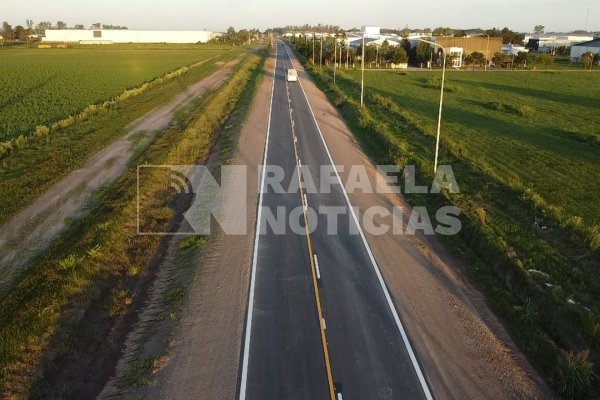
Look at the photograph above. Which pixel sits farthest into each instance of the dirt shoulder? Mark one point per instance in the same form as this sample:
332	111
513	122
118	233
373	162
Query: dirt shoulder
204	355
464	349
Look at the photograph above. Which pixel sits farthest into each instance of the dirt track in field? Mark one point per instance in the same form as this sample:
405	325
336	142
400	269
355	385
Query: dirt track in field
32	229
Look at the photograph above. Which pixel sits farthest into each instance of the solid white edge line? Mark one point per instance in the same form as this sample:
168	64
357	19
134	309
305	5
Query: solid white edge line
407	344
339	396
247	337
317	266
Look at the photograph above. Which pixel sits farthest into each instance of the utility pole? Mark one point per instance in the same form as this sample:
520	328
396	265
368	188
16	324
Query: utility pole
334	56
362	74
313	48
321	52
487	52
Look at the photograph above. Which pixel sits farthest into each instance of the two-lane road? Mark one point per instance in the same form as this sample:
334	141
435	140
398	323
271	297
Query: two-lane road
321	322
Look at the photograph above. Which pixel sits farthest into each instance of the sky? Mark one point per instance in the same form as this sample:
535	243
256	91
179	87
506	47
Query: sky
217	15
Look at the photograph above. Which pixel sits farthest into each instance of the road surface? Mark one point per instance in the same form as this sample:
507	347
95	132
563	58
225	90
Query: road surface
321	323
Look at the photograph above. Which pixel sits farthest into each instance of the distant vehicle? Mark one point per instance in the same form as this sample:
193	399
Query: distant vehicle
291	75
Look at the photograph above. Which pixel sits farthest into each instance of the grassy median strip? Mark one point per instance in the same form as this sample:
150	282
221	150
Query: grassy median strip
537	266
97	261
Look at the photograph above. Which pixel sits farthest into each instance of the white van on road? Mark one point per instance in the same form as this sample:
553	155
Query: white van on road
291	75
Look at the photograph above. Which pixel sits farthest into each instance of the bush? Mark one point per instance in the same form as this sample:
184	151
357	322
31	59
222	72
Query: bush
574	375
20	142
41	131
526	111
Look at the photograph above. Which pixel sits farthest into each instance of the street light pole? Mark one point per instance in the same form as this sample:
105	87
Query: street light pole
362	74
321	52
313	48
437	140
487	52
334	56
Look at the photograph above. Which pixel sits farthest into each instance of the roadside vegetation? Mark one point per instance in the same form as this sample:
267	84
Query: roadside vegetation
97	268
525	149
30	171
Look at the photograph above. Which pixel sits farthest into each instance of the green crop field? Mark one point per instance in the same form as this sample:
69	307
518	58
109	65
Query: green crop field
40	86
538	130
525	150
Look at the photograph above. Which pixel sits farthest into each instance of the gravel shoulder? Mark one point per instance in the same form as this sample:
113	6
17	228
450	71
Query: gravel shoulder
463	347
204	354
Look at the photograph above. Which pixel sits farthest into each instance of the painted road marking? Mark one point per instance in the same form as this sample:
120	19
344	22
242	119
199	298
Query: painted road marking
317	267
313	271
244	379
411	353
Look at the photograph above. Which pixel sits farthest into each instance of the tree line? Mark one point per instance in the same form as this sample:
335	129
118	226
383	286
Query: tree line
334	48
236	38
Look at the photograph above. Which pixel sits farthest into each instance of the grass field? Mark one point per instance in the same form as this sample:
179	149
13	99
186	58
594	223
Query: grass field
525	150
540	131
41	86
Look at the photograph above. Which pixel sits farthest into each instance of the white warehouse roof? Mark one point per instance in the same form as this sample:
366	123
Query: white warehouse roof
126	36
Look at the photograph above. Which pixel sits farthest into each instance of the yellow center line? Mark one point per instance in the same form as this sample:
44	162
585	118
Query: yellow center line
311	257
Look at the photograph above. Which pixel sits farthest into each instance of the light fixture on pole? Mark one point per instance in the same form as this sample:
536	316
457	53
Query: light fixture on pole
371	32
437	140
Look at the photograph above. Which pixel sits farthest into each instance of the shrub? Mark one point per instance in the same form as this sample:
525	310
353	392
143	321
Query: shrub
574	375
20	142
41	131
526	111
69	263
6	148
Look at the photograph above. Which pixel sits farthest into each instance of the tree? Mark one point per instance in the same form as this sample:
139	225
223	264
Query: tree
521	58
7	31
539	29
587	59
499	58
399	55
40	28
422	52
231	30
61	25
441	31
547	60
29	24
20	33
96	26
79	26
384	51
460	33
478	58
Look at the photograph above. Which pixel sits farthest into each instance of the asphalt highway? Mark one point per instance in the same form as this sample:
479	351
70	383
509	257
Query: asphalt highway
321	323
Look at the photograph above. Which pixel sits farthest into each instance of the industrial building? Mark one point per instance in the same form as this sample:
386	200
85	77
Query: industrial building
125	36
549	42
577	50
486	45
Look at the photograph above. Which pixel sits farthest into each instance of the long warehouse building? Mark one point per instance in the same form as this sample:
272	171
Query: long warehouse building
85	36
